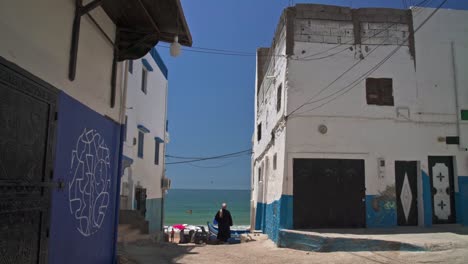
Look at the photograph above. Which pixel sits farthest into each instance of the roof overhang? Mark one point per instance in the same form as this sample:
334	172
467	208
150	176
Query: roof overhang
141	24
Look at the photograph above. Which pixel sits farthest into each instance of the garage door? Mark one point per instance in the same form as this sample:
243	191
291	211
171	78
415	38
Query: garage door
328	193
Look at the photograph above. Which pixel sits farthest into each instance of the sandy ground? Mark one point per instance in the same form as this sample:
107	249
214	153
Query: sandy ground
264	251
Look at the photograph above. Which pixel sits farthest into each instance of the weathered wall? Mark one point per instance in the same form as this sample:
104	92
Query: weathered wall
40	43
358	130
423	112
437	71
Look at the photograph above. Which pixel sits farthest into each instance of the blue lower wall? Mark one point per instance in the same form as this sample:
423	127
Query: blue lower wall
83	213
274	216
154	214
462	200
427	199
380	211
259	216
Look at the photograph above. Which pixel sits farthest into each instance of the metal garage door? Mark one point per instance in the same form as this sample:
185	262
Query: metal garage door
328	193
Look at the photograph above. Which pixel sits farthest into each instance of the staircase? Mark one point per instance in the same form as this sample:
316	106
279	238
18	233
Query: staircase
132	226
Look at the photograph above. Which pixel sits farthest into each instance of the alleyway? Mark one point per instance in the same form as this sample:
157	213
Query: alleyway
266	252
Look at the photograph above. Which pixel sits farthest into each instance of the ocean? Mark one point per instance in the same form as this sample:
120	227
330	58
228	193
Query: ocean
196	207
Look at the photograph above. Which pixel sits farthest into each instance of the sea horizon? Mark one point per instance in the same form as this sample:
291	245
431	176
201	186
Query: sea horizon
198	206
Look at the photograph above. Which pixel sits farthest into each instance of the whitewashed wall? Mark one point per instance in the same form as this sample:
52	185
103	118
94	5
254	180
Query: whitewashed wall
435	73
358	130
148	110
270	189
36	35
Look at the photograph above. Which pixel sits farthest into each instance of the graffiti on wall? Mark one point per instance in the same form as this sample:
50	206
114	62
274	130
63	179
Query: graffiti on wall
90	184
381	209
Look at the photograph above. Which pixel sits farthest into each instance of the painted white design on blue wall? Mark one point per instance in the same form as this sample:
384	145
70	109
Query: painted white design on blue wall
90	185
441	184
406	197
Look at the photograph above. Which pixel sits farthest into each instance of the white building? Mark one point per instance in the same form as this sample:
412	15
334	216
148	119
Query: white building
62	112
145	139
361	119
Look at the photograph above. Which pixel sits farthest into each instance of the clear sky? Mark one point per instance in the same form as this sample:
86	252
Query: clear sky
211	97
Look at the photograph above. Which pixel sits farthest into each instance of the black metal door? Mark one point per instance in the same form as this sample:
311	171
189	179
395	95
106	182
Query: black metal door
406	173
140	197
328	193
27	128
443	203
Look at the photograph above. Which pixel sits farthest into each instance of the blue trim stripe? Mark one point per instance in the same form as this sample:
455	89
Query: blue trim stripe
463	200
427	199
147	64
143	129
157	58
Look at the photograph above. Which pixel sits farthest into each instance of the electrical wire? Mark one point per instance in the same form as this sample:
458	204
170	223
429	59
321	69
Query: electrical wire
365	75
225	156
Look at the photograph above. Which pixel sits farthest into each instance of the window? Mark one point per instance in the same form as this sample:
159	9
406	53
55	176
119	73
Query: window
130	66
259	132
144	80
259	174
157	142
125	128
379	91
141	139
274	162
278	97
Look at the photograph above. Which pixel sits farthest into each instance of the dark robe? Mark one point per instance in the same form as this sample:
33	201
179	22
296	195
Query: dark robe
224	225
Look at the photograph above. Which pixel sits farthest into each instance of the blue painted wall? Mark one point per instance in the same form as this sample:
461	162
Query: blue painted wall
427	199
274	216
462	201
380	212
259	216
83	213
153	214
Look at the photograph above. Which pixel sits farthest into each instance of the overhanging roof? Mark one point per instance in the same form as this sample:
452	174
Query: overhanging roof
143	23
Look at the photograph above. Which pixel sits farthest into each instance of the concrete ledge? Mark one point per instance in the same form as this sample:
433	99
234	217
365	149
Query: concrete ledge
311	241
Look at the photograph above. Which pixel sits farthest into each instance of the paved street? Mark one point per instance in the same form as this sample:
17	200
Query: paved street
266	252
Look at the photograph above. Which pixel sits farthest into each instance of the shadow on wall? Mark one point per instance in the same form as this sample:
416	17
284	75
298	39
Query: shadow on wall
143	252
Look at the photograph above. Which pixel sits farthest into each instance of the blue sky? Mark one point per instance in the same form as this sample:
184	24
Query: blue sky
211	97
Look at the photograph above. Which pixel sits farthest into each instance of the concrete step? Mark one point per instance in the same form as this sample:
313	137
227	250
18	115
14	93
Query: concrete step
253	237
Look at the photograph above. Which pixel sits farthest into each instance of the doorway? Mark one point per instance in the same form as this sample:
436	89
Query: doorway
27	134
442	189
406	184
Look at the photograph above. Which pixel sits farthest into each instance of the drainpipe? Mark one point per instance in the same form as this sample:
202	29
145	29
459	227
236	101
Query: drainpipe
455	89
164	160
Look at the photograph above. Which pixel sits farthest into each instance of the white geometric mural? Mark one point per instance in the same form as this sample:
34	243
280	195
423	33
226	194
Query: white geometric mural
406	197
89	188
441	183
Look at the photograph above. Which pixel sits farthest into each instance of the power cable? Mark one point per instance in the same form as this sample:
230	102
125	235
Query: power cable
365	75
225	156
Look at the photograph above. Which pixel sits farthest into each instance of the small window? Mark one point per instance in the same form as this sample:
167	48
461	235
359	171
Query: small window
274	162
144	80
259	132
259	174
141	139
379	91
156	151
125	128
279	97
130	66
